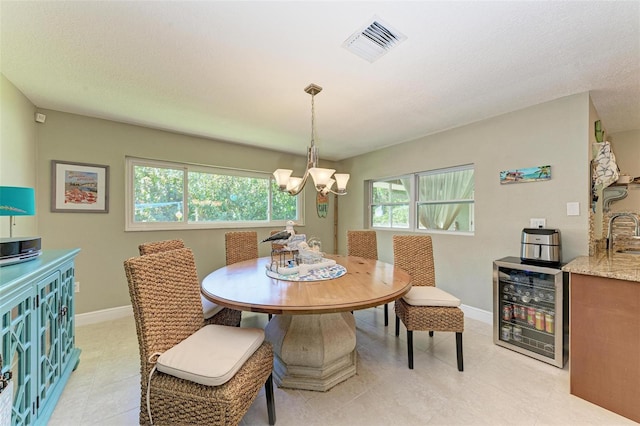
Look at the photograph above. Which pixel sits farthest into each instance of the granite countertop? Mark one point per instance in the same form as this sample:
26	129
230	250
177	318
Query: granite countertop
620	266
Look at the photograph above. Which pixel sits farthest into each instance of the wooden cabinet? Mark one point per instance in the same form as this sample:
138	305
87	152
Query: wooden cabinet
37	332
605	343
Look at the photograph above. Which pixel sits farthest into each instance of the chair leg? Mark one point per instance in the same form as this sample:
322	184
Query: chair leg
271	405
410	348
386	314
397	326
459	351
430	333
270	316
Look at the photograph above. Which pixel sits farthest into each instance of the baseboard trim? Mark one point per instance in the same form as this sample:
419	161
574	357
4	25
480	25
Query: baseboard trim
477	314
103	315
124	311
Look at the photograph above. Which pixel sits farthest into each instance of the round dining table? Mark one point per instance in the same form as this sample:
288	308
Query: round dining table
313	329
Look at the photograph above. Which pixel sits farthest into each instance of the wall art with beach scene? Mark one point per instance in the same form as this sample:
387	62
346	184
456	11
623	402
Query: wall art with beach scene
529	174
79	187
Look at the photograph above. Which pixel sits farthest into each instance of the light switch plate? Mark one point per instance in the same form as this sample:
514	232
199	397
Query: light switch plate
573	209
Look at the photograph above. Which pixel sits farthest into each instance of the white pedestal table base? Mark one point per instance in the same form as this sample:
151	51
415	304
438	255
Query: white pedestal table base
313	352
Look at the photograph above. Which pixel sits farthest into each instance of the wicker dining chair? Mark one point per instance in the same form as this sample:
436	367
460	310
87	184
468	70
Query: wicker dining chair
241	246
213	313
365	244
191	373
424	307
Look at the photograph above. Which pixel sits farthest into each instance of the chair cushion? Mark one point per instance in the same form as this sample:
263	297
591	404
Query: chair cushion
211	355
209	308
430	296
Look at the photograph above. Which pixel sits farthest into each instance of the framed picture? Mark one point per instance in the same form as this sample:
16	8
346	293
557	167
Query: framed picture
529	174
79	187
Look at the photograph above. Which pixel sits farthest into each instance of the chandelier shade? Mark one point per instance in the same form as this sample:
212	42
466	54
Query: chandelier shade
322	178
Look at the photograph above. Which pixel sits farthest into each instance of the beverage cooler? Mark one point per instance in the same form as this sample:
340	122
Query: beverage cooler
531	309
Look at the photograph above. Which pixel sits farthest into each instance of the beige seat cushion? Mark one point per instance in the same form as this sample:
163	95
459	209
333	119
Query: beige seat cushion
430	296
209	308
212	355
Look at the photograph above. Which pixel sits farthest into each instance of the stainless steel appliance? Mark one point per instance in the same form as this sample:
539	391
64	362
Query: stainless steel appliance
531	309
541	245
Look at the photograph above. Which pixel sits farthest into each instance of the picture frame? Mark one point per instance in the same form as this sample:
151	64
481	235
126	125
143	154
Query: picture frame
524	175
79	187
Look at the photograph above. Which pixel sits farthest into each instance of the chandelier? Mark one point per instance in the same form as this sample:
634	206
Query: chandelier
323	179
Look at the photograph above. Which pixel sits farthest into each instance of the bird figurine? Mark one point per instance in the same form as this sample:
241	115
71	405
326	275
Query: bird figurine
281	237
289	228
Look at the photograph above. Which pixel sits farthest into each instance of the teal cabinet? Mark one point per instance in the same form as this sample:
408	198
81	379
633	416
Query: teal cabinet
37	332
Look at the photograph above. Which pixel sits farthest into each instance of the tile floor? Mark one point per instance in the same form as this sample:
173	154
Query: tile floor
497	387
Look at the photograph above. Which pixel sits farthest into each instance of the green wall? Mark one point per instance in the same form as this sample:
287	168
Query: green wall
101	237
554	133
17	151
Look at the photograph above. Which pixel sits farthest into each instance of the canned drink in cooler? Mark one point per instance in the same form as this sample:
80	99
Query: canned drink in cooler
539	320
507	312
516	311
517	333
506	332
531	316
549	322
523	313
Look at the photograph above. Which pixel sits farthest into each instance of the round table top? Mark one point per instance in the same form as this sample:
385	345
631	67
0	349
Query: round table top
246	286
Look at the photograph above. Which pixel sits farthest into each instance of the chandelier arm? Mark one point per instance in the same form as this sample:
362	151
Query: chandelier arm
300	187
312	161
326	191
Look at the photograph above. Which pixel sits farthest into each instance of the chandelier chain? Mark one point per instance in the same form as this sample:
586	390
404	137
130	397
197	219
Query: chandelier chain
313	115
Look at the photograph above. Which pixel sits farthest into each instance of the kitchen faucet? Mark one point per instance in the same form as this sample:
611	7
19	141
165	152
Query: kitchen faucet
610	228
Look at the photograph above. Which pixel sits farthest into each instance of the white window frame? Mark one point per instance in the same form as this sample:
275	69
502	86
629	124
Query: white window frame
414	203
409	203
131	225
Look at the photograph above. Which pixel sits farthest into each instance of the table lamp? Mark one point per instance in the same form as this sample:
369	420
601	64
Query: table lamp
16	201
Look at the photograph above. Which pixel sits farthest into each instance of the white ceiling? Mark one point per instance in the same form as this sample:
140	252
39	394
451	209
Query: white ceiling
236	70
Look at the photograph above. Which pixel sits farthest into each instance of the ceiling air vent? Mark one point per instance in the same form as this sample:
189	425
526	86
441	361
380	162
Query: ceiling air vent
373	40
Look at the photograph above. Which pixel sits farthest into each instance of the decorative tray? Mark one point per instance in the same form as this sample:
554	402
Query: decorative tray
326	270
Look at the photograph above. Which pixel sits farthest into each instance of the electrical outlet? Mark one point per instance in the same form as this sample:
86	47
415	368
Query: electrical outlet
537	222
76	287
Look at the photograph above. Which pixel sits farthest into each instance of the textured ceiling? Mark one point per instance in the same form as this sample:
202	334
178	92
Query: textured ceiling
236	70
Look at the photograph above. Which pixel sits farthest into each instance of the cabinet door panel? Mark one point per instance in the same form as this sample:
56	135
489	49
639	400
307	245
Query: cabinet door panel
67	312
48	334
17	321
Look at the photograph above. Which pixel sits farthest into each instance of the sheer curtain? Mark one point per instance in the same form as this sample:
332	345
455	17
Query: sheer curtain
446	189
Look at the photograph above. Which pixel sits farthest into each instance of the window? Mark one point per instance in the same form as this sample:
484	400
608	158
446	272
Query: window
445	200
436	201
390	200
163	195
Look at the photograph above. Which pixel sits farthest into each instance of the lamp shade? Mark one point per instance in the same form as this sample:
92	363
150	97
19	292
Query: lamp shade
321	176
282	177
293	183
17	201
341	181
